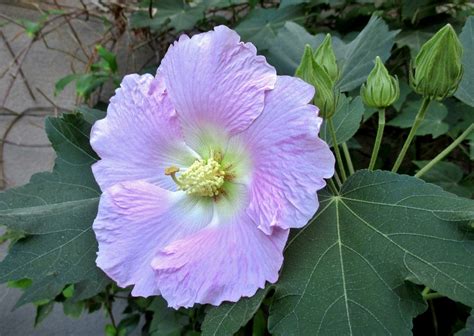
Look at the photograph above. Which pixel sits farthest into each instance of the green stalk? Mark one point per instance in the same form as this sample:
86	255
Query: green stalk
430	296
378	139
336	150
347	155
337	179
332	186
446	151
419	118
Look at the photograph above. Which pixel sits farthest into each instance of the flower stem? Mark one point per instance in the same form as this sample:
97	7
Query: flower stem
336	150
419	118
446	151
332	186
378	139
425	291
347	155
337	179
429	296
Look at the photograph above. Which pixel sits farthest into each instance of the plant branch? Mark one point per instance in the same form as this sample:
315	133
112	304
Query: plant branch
347	155
336	150
419	118
445	152
378	139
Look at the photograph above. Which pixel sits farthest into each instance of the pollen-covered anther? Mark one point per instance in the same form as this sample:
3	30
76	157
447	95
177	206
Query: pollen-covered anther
202	178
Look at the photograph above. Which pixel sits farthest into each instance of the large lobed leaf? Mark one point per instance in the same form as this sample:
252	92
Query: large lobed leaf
355	59
433	124
55	212
177	14
261	24
352	269
229	317
355	267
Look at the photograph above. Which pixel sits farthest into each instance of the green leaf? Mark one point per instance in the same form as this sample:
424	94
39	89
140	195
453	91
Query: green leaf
374	40
355	59
465	91
90	115
22	283
433	123
128	324
87	83
351	270
228	318
65	81
31	27
346	120
286	49
42	311
447	175
73	309
55	211
68	292
286	3
166	321
110	330
469	329
260	26
405	90
108	57
415	10
178	14
413	40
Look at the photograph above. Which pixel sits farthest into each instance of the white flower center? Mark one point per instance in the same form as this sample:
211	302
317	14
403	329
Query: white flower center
202	178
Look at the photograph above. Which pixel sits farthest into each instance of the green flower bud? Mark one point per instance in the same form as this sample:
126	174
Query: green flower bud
324	56
438	67
314	74
381	89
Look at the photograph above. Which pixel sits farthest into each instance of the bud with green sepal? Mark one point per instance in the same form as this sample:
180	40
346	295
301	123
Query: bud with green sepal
326	98
313	73
381	89
324	56
438	67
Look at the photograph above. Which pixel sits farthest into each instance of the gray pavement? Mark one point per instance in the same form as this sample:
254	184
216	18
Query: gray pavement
26	152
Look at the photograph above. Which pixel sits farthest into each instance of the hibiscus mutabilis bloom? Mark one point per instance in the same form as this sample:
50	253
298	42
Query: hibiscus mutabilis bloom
204	169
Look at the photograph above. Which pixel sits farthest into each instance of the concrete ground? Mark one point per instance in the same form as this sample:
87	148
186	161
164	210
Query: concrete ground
26	150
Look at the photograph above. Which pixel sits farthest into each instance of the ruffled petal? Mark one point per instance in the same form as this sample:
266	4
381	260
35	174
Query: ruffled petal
289	161
140	136
215	80
220	263
135	220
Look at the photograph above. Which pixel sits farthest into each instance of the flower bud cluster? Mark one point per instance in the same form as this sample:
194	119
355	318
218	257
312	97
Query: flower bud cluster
320	70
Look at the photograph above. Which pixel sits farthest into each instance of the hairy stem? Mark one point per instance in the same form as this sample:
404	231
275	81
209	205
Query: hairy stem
347	155
378	139
419	118
336	150
445	152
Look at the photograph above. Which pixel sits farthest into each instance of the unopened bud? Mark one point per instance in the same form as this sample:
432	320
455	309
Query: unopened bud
316	75
381	89
325	57
438	67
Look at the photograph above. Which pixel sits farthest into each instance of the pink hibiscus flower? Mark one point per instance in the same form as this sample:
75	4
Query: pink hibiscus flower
204	169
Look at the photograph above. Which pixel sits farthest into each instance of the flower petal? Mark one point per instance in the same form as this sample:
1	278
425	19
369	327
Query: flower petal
219	263
134	221
289	161
140	136
214	79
